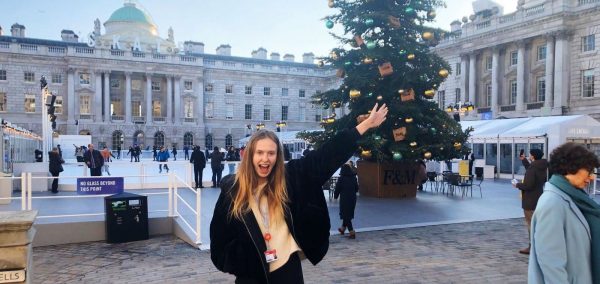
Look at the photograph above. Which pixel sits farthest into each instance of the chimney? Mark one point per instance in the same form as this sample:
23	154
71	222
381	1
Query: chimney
193	47
275	56
308	58
455	26
68	36
224	49
260	53
288	58
17	30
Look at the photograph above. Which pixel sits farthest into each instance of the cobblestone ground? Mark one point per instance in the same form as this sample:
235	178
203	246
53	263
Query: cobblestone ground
479	252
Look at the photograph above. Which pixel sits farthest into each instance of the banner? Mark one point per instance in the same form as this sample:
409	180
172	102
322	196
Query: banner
95	185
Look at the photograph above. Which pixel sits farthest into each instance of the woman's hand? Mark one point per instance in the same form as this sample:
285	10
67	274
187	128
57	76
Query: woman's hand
376	118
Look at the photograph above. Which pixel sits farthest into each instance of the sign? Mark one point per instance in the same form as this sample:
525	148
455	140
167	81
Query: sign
487	115
12	276
95	185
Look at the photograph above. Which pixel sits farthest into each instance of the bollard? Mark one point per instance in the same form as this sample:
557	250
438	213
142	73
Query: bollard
16	238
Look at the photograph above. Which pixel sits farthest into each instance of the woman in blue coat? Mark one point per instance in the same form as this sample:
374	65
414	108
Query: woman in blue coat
565	229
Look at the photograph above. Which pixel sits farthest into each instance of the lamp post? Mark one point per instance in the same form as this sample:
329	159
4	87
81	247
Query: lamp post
460	109
280	125
260	126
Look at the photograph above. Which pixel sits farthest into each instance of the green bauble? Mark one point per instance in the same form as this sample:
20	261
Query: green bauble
325	105
371	44
369	22
409	10
377	138
397	156
402	52
348	63
329	24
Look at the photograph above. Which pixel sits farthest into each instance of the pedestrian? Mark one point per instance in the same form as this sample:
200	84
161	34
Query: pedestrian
199	162
286	153
162	157
38	154
270	210
131	153
174	153
186	152
216	159
138	151
55	167
78	153
59	150
93	159
119	152
106	155
206	154
532	188
346	189
154	152
242	152
231	158
565	228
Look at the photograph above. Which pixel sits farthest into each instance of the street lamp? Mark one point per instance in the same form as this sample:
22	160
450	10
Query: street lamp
459	109
280	124
260	126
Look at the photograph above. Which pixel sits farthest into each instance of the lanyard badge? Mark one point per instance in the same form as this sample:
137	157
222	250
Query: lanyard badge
270	254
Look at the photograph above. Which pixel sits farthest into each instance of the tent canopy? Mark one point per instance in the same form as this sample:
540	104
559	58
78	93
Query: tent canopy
285	137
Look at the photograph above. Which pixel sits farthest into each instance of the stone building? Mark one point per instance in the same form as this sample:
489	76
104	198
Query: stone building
128	85
540	60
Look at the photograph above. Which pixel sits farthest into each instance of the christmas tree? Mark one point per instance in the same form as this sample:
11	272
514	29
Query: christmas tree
385	57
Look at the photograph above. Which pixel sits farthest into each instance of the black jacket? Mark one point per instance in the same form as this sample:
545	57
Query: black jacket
98	160
237	246
55	162
533	183
346	187
198	159
215	160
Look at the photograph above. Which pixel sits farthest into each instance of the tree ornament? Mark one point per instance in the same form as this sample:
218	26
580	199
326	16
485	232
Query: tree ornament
348	63
329	24
377	138
457	145
408	120
359	40
411	56
399	133
402	52
334	55
379	98
427	155
320	63
369	95
430	93
367	60
408	96
354	94
369	22
427	35
431	14
386	69
325	105
397	156
330	120
366	154
443	73
409	10
413	144
335	104
393	22
433	130
371	44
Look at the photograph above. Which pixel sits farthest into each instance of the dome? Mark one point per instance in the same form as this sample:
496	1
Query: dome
130	13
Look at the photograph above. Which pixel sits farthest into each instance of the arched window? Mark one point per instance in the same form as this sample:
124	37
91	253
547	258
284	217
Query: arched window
117	139
188	139
159	139
138	138
209	141
228	141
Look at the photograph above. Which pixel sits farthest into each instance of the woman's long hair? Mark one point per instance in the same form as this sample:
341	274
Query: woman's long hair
246	180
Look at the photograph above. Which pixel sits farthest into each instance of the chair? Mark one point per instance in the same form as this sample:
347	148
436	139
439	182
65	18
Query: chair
432	180
479	179
446	181
463	182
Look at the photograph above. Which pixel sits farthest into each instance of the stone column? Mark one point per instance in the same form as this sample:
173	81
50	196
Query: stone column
463	78
71	96
177	97
16	250
169	99
199	89
148	98
97	106
549	102
561	71
127	97
520	103
472	77
107	114
495	77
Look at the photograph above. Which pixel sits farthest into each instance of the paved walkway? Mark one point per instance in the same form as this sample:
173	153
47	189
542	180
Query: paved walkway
476	252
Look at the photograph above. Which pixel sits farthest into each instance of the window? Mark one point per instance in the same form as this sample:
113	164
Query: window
248	111
115	83
284	92
2	102
188	107
156	109
301	113
587	85
284	112
208	88
156	86
248	65
136	108
488	63
228	64
229	109
159	138
541	89
228	141
208	141
229	89
29	76
29	103
84	104
56	78
441	98
458	69
248	90
116	108
541	52
136	85
302	93
488	94
513	92
318	117
209	110
267	113
456	95
209	62
117	139
58	105
188	139
3	75
188	85
84	78
267	91
588	43
514	58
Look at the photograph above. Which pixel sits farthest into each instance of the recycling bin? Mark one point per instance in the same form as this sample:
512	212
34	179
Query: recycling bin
126	217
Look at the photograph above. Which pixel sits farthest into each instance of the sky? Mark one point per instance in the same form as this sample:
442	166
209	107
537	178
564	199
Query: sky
290	26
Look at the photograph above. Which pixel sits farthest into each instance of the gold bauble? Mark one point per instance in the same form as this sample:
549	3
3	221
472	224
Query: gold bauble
367	60
427	35
354	94
431	14
457	145
413	144
411	56
427	155
366	153
401	92
320	63
333	55
379	98
430	93
331	120
443	73
408	120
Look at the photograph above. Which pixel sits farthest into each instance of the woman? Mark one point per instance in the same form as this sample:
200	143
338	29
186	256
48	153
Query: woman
55	167
269	211
565	229
347	187
162	157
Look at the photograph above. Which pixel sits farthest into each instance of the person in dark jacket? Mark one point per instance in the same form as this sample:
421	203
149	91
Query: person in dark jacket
216	165
93	159
55	167
174	152
346	189
270	210
532	187
186	152
199	161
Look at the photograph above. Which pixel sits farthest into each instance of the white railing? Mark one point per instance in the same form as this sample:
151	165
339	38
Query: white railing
583	2
23	197
57	49
195	210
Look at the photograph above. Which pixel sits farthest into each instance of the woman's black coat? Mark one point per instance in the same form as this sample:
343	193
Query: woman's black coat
55	162
237	246
346	188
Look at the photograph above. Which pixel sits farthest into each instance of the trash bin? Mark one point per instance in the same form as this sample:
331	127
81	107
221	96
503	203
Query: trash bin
5	188
126	217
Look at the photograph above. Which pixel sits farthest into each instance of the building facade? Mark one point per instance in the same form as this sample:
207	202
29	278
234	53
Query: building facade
130	86
538	61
